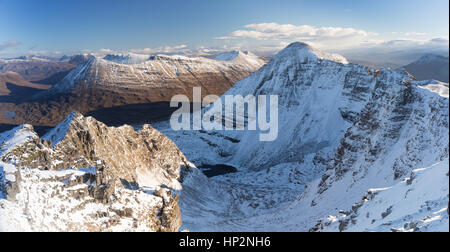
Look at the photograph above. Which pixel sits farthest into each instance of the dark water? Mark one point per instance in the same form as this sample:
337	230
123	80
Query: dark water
133	113
217	170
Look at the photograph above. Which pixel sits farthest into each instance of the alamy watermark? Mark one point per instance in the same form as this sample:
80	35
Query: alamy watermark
234	112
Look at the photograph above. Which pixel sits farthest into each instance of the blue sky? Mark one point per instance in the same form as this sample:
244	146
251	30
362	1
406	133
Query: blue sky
68	26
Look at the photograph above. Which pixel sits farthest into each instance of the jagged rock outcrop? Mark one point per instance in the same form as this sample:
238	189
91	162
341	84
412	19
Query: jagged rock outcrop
84	176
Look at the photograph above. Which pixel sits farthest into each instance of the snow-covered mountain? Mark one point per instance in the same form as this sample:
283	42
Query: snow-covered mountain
240	56
160	72
358	149
115	81
430	66
84	176
129	59
343	129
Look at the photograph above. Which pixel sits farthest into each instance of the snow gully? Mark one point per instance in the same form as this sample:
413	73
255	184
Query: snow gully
239	113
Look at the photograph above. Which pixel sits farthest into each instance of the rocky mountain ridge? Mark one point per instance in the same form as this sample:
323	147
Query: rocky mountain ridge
84	176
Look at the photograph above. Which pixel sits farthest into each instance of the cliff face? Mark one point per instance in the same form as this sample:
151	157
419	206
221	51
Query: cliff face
84	176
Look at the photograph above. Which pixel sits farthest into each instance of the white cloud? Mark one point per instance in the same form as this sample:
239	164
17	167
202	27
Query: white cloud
409	34
266	31
268	38
163	49
416	34
405	43
274	31
327	38
105	51
9	44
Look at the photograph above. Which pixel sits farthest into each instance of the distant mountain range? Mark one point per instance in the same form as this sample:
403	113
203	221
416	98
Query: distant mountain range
430	66
37	69
124	88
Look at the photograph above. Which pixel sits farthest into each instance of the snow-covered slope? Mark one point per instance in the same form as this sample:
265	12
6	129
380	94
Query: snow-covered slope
417	203
240	56
129	59
438	87
84	176
228	56
343	129
157	72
